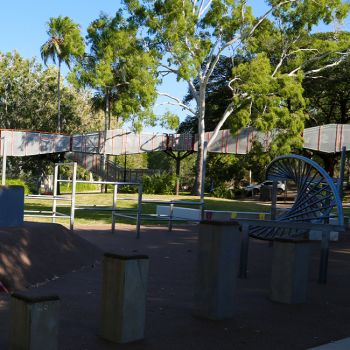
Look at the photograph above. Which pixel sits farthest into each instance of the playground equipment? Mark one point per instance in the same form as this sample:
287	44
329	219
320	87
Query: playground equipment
135	214
55	198
316	200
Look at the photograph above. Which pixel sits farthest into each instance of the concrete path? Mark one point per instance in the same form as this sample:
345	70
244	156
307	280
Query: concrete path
343	344
258	322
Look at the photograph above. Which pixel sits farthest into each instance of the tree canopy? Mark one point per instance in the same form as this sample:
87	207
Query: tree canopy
28	101
28	98
119	69
191	36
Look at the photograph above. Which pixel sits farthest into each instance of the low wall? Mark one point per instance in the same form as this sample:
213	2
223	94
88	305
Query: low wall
195	214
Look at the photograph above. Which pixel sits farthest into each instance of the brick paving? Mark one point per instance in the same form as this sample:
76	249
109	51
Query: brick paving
258	323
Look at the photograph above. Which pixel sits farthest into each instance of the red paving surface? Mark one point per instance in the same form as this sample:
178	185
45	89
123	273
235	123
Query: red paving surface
258	324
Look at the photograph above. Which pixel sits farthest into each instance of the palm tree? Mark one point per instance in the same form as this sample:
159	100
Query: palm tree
65	44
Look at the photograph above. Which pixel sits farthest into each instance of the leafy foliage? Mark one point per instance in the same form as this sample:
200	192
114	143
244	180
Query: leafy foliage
225	168
28	98
162	183
121	71
28	101
64	45
328	96
65	42
18	182
274	51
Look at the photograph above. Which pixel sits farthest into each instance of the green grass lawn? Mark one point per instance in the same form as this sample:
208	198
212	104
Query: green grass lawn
105	199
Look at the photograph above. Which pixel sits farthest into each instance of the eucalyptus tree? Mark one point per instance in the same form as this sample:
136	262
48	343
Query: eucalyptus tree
64	45
329	95
266	92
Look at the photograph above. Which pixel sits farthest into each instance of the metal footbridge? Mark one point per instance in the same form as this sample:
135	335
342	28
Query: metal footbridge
18	143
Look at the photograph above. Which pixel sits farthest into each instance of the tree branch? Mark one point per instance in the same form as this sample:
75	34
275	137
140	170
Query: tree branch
334	64
172	70
176	103
235	39
211	55
312	71
229	109
263	17
204	8
194	91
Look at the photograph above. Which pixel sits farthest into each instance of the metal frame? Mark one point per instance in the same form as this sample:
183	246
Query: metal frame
4	160
54	214
324	228
114	208
151	217
317	197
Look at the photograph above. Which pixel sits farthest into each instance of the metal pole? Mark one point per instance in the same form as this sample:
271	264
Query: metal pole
244	252
104	155
139	212
4	161
54	202
342	171
274	200
170	224
273	204
73	197
178	170
203	176
124	177
115	197
322	277
323	268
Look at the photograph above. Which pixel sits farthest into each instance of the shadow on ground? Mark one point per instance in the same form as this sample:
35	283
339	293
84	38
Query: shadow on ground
258	324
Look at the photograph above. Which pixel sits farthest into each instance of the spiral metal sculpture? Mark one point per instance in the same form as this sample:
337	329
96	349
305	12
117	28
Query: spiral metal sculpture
317	198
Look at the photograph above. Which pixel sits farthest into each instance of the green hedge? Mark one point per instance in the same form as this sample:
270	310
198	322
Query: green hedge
18	182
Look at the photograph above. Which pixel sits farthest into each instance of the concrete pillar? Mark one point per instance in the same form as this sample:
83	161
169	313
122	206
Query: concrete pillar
290	271
217	269
124	289
34	322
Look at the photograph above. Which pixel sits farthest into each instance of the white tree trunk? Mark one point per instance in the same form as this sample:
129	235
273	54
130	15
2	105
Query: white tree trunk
201	133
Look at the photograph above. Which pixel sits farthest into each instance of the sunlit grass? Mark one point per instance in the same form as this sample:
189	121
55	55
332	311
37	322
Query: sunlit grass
129	201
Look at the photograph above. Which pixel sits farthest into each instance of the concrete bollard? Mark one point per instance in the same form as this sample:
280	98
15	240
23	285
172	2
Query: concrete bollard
123	307
34	322
290	271
217	269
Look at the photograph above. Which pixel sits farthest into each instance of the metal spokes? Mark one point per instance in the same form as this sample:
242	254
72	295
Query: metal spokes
317	198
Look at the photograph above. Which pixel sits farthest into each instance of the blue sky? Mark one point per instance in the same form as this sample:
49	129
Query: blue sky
23	27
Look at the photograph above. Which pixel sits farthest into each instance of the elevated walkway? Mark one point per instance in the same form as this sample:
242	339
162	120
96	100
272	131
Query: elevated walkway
18	143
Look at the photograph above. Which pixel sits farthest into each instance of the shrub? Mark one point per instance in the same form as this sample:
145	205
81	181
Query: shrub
81	187
222	191
160	183
18	182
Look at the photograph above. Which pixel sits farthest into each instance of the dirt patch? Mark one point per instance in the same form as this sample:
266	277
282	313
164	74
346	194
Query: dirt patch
38	252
